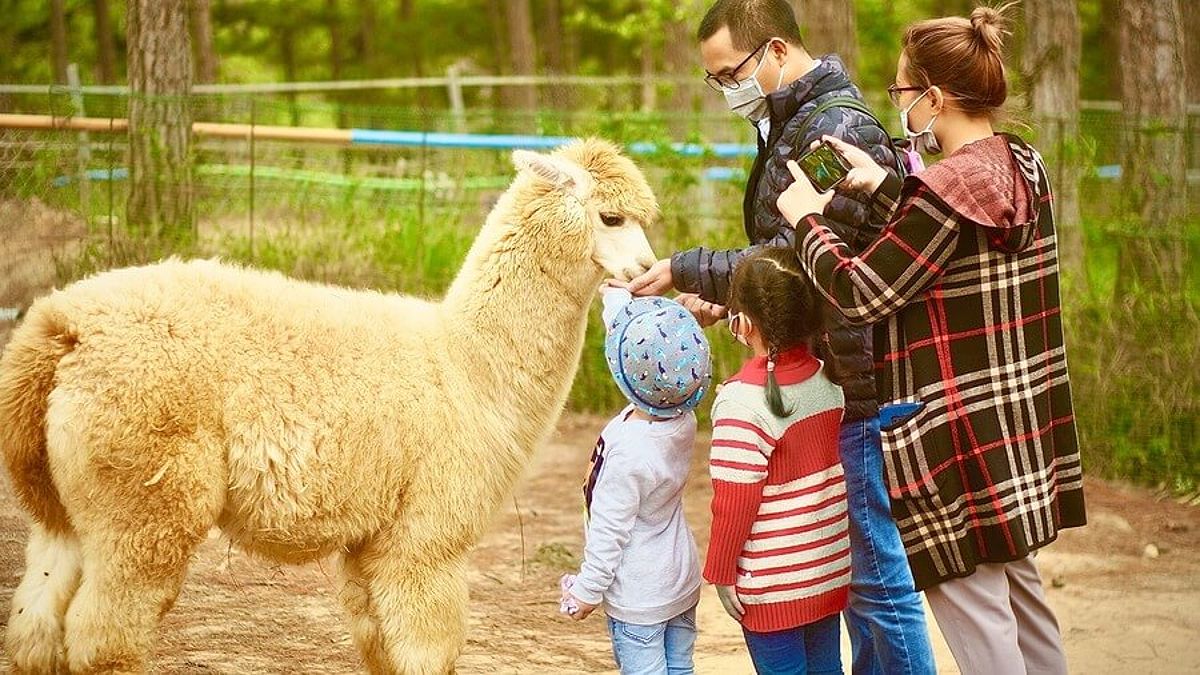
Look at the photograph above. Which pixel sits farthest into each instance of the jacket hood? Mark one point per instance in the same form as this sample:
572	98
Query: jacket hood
994	183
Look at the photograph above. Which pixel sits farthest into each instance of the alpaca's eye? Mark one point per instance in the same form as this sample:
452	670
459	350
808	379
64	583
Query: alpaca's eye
611	220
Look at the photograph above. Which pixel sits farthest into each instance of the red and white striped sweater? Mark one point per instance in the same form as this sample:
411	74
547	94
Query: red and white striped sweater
779	530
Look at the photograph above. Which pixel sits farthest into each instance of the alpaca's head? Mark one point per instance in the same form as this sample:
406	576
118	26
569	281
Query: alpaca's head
591	195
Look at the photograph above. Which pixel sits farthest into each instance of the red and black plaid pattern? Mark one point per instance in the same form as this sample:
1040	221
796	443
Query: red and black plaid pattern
967	322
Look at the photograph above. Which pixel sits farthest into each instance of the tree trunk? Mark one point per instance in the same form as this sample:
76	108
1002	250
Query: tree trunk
1191	29
200	14
553	46
333	20
411	37
58	40
287	56
160	119
106	48
522	51
1051	71
364	40
828	26
649	86
1155	180
680	60
551	32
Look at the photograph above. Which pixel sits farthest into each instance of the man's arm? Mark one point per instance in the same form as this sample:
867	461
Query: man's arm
709	272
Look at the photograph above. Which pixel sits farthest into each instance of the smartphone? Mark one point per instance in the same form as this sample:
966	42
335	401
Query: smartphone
824	166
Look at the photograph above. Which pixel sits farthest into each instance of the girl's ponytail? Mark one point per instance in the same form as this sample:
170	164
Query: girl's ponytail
774	395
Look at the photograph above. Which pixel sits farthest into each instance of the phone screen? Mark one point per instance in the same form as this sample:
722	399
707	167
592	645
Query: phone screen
823	167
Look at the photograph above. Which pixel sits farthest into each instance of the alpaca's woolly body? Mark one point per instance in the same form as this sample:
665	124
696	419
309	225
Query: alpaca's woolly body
302	419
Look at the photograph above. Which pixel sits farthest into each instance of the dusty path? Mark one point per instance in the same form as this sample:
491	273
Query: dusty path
1121	612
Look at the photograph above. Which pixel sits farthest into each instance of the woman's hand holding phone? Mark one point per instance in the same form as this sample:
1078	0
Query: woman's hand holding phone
865	175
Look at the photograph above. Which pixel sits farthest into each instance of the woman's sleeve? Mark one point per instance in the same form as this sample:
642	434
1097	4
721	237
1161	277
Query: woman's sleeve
907	258
885	198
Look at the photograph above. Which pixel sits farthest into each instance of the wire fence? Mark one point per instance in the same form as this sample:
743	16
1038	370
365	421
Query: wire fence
401	217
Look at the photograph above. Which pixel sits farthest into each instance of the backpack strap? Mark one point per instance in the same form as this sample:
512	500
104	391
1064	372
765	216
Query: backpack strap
853	104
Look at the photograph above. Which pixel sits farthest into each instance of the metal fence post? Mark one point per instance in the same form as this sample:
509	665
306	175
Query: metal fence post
454	90
84	151
252	122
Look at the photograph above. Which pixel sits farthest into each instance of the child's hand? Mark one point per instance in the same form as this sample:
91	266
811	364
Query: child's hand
706	313
583	611
731	603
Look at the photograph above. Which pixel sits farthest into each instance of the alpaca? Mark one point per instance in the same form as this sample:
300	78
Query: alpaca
142	406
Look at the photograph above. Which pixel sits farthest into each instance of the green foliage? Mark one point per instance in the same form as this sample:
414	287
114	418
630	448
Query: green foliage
253	38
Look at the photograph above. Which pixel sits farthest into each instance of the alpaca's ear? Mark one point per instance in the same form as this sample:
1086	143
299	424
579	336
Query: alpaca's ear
559	172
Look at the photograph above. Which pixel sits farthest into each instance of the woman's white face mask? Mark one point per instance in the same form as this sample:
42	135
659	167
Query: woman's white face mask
748	99
923	140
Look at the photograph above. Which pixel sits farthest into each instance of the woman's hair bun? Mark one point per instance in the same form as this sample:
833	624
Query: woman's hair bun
991	26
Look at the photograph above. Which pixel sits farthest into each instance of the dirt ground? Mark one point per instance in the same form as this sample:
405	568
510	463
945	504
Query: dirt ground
1121	612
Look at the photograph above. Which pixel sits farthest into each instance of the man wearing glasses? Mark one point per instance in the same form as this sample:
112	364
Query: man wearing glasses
754	56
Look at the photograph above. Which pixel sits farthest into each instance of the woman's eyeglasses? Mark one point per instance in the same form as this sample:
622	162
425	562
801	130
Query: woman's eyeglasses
729	80
895	90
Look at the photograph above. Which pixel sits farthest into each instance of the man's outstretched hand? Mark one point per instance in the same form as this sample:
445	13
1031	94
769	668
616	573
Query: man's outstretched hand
654	281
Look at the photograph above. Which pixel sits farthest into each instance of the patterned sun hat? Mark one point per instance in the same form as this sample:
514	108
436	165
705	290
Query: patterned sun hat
658	356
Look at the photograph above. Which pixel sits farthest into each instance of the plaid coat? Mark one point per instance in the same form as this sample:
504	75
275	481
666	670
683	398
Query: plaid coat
963	288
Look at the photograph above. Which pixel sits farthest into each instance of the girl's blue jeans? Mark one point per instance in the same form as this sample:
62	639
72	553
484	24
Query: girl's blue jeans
658	649
808	650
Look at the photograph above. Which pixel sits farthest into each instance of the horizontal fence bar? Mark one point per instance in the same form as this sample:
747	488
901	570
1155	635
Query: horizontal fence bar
426	82
364	136
385	83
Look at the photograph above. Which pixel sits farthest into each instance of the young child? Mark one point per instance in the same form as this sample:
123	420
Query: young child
780	552
640	559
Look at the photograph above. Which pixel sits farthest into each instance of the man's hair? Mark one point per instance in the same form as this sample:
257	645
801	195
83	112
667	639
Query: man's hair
751	22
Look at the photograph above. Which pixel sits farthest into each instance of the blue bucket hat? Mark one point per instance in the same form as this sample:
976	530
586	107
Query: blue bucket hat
657	353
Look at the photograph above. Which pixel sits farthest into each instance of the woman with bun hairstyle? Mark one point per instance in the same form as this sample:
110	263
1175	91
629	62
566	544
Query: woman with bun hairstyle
979	437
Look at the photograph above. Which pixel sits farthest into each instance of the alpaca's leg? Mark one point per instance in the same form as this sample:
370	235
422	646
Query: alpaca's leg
131	577
408	614
356	598
35	624
138	530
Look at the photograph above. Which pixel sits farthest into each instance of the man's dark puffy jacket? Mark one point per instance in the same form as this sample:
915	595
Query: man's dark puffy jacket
708	272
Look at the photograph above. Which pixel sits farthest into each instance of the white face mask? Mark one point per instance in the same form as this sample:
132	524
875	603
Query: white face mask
748	99
740	320
923	140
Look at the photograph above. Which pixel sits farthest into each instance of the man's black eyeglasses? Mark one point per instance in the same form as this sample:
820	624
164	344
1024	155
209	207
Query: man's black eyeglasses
729	79
894	92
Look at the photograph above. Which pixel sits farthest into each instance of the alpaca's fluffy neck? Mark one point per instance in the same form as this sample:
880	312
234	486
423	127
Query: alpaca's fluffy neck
516	315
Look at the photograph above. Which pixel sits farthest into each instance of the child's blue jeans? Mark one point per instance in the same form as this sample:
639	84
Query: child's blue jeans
660	649
808	650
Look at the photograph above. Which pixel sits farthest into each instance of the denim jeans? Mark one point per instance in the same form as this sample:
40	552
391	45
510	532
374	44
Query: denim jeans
660	649
808	650
885	618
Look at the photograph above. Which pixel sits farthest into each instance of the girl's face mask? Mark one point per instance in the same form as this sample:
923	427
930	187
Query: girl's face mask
740	326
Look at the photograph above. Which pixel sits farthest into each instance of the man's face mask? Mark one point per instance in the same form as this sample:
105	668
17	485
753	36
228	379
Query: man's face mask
748	99
923	140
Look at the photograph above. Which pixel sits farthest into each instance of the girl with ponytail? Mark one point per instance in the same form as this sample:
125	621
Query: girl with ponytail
780	550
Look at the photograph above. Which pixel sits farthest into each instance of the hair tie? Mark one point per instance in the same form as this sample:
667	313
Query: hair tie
770	365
